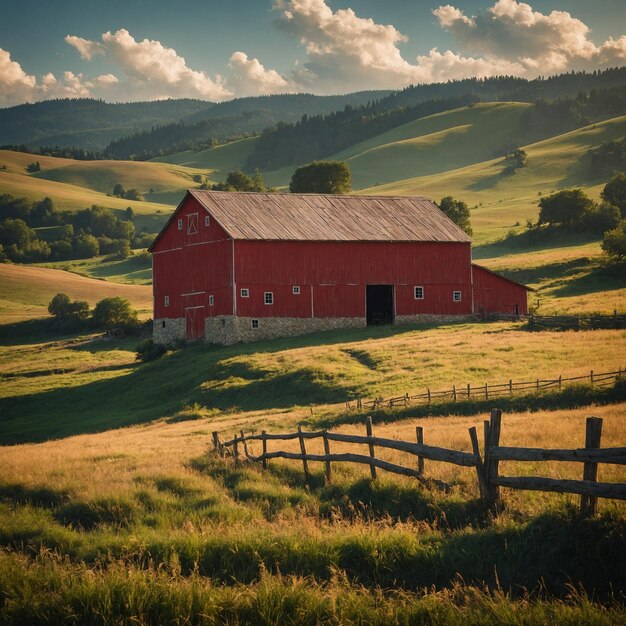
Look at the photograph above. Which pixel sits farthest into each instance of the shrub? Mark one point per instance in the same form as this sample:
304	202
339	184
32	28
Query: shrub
567	207
614	242
148	350
115	312
86	246
602	217
322	177
615	191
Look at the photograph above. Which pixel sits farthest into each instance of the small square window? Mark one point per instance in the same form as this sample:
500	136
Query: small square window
419	293
180	224
162	324
207	220
211	300
295	290
255	323
456	296
166	301
268	297
245	293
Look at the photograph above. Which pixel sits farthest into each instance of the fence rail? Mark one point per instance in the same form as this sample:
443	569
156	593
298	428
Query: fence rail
486	391
487	468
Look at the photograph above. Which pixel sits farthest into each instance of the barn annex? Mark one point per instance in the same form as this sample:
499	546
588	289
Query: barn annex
231	267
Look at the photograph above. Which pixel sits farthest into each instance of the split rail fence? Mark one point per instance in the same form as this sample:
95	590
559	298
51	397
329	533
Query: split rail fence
486	392
577	322
486	466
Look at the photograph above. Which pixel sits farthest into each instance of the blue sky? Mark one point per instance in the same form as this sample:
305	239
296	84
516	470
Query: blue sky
219	49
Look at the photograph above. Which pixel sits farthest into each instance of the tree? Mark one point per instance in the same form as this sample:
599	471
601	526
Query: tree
31	168
565	207
86	246
129	214
322	177
59	305
119	191
614	242
602	217
133	194
238	181
458	212
615	191
16	232
113	313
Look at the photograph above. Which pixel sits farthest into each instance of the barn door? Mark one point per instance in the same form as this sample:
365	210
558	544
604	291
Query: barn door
194	322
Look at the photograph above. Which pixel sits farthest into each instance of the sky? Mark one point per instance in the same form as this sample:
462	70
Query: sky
129	50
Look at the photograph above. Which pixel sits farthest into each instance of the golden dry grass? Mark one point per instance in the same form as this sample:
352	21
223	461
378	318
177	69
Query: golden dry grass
25	291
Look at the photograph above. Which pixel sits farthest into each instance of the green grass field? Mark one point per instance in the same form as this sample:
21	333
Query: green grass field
504	202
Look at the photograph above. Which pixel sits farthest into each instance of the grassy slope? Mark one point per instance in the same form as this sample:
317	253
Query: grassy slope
505	201
435	144
218	161
277	375
25	291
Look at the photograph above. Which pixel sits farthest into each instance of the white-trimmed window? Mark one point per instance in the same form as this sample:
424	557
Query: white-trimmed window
268	297
418	292
211	300
456	296
245	293
254	323
166	301
295	290
207	220
180	224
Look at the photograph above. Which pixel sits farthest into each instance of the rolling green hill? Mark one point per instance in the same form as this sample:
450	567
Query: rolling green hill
502	201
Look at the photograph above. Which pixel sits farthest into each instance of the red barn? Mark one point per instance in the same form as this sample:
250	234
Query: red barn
232	266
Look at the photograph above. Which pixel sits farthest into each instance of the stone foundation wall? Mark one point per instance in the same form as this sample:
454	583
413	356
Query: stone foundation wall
227	330
167	330
428	318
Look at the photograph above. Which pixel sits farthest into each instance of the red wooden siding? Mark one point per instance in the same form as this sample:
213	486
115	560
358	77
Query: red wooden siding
496	294
339	272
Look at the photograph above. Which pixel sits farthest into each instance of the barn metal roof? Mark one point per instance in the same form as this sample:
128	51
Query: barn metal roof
316	217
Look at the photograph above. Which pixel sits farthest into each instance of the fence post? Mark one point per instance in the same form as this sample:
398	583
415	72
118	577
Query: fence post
537	384
493	491
560	382
305	463
368	431
480	468
245	444
591	376
419	433
486	392
264	442
428	391
593	434
454	392
510	386
468	391
215	444
235	449
327	453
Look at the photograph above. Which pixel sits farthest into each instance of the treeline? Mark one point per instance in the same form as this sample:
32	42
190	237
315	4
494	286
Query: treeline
69	152
36	231
316	137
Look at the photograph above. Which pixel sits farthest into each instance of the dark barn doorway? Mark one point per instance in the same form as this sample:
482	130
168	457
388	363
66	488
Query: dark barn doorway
379	304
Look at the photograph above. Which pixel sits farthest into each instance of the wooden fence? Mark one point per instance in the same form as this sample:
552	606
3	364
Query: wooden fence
486	466
577	322
485	392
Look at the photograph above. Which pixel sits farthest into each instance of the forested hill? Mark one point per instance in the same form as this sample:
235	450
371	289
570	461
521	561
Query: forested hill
320	136
87	123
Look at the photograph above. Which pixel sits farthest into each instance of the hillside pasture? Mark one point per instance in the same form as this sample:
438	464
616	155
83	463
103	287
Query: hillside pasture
504	202
25	291
322	369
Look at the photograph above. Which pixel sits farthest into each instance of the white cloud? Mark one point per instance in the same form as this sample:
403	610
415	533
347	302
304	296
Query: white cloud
151	69
86	48
248	77
16	85
345	51
540	43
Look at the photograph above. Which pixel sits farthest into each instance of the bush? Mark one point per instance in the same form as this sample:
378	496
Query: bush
615	191
148	350
322	177
115	312
614	242
602	218
86	247
567	208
